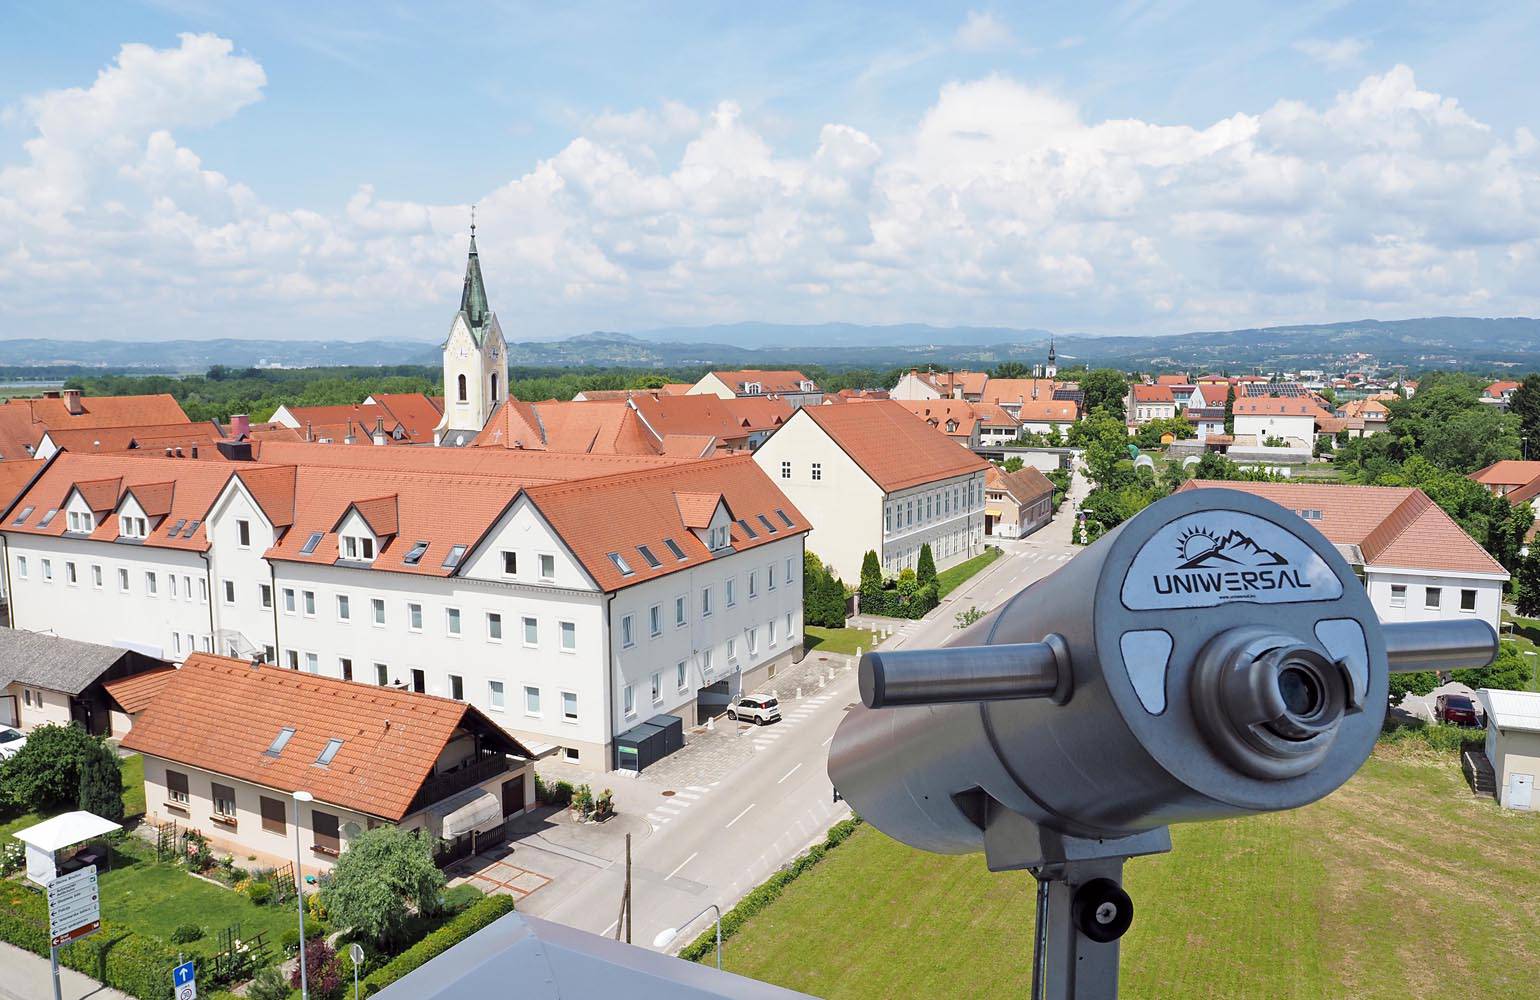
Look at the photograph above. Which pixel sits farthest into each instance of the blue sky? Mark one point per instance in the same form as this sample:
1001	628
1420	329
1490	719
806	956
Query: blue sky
303	170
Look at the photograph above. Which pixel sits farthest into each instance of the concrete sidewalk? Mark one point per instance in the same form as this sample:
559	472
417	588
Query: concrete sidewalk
25	976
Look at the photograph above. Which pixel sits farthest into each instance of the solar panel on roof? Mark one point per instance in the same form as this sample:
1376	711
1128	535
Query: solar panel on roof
191	529
766	522
453	558
304	550
673	547
784	519
652	560
747	530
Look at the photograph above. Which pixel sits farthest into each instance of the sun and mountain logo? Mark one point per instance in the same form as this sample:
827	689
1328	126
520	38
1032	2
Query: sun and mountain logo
1202	548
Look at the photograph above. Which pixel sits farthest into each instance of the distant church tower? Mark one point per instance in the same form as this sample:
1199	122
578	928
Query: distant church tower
475	360
1052	369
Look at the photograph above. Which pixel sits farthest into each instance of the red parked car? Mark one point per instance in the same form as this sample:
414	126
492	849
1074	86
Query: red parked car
1456	710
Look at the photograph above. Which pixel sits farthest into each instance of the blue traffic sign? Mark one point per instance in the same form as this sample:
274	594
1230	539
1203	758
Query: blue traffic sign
182	974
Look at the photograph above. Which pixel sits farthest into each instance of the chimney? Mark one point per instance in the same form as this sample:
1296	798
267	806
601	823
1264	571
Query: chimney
194	451
256	663
240	425
309	436
72	402
379	431
179	452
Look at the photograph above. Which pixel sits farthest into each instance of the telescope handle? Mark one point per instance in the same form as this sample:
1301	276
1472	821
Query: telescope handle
890	678
1442	645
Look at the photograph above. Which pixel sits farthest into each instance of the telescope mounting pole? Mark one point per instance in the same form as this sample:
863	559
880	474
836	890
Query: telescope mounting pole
1067	963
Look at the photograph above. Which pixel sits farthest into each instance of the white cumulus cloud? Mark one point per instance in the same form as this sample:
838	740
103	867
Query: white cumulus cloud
1000	203
1334	53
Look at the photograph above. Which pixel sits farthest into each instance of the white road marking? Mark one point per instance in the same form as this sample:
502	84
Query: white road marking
668	810
681	865
687	796
739	816
790	773
698	788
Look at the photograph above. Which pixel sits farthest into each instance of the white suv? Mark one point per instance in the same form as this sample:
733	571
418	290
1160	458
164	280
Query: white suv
758	709
11	742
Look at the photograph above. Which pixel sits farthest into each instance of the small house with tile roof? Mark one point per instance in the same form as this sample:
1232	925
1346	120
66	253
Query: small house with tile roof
1416	563
874	477
47	680
792	386
1016	503
366	755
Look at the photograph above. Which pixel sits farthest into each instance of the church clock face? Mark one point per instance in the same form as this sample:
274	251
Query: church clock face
497	352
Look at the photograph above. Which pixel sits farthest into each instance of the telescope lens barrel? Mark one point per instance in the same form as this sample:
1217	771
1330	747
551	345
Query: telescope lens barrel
889	679
1442	645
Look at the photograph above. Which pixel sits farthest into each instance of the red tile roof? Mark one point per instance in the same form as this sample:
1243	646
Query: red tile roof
1496	389
769	381
676	388
891	445
1508	472
1026	484
1394	527
939	413
603	427
1152	394
148	437
1010	391
1279	406
413	411
971	383
696	509
1036	411
1173	380
23	421
104	480
584	514
526	466
391	739
135	692
15	476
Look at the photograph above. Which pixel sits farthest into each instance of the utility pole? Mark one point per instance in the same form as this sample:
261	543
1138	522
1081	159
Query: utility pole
624	920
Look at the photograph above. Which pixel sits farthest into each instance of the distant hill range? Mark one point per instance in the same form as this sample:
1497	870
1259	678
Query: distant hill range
1415	344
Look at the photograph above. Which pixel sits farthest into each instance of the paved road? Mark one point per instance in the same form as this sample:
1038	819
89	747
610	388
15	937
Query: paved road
25	976
721	840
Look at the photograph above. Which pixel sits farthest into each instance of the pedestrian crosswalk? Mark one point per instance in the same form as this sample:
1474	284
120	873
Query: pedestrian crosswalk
675	805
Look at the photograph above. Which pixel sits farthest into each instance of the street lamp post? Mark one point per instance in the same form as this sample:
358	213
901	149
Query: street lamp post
300	798
665	937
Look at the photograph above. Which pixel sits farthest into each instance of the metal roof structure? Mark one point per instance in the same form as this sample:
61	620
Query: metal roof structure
549	961
47	661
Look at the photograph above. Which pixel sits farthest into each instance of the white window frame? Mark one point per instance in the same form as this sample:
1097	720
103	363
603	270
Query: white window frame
657	687
454	623
497	696
526	624
627	631
628	701
655	620
575	717
377	611
413	616
537	712
491	618
563	630
547	559
344	608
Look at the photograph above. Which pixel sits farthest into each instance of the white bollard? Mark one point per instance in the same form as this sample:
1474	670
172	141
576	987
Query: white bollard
858	652
710	724
799	693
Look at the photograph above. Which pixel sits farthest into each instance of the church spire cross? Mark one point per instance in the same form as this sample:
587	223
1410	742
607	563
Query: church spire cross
473	221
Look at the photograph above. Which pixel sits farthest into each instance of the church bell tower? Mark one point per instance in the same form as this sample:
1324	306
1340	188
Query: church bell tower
475	360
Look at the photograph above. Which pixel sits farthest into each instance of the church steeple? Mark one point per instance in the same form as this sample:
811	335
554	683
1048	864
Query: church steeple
473	300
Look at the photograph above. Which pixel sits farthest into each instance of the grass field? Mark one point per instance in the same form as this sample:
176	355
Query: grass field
949	580
1526	636
1401	884
837	640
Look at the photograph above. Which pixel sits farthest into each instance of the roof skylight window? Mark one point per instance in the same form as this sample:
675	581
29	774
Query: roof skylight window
328	752
307	548
280	741
177	526
652	560
415	553
621	564
673	547
453	558
192	528
748	529
26	512
784	519
52	511
766	522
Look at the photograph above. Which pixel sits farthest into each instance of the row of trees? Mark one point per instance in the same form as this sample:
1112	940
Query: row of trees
909	595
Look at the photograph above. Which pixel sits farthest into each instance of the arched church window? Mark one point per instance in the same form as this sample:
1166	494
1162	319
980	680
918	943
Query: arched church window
494	387
462	388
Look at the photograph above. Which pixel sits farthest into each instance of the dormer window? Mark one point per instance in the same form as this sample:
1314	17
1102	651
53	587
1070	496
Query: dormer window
358	548
752	388
132	527
81	522
809	387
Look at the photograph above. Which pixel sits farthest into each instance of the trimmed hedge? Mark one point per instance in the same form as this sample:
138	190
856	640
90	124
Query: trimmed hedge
888	603
767	891
137	965
476	916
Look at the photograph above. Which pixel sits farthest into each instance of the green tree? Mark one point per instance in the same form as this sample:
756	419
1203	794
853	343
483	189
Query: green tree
1013	464
45	773
1527	600
1230	409
1420	683
1149	435
1472	439
380	879
1525	407
1009	369
101	783
871	573
1104	389
925	567
1508	672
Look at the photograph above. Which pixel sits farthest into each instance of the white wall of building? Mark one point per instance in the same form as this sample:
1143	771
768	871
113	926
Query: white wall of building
1297	428
1402	596
948	515
830	489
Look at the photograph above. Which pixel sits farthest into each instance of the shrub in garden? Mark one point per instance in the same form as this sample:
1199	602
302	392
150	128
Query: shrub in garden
186	933
475	917
260	893
382	876
268	984
925	569
322	971
100	788
45	773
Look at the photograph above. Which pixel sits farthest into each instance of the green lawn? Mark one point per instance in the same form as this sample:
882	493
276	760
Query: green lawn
1526	636
837	640
1400	884
133	800
950	579
154	898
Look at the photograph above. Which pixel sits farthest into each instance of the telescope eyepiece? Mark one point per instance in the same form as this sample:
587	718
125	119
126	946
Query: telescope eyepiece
1269	704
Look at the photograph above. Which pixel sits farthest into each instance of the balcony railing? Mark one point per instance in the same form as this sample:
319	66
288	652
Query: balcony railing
472	771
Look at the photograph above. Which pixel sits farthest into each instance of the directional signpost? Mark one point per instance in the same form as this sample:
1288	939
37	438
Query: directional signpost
74	910
184	982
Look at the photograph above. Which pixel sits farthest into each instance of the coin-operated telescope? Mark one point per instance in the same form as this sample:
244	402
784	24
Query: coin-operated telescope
1213	657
